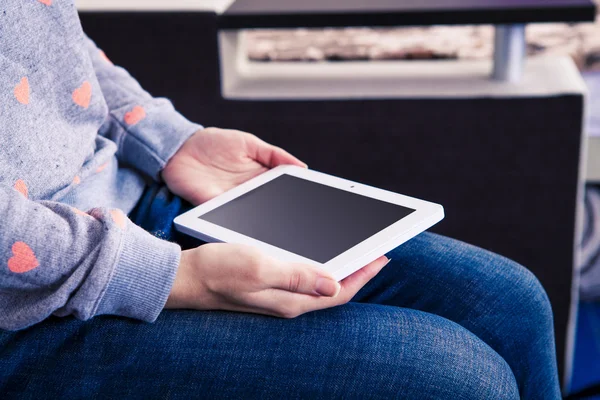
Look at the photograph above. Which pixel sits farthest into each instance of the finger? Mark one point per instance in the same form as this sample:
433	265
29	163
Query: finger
302	278
288	304
272	156
353	283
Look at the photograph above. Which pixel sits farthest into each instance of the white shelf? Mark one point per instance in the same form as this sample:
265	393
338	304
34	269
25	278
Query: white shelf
246	80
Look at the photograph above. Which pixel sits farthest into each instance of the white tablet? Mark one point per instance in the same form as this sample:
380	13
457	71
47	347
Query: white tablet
300	215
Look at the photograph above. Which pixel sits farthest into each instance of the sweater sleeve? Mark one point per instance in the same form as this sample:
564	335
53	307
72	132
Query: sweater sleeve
55	259
147	130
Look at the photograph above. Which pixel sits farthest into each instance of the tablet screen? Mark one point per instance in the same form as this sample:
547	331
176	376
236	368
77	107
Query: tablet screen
312	220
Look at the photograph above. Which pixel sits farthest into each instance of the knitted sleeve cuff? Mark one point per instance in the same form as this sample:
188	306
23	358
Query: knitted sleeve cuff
143	276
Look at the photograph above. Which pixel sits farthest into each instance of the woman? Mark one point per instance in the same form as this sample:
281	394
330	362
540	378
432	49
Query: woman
93	171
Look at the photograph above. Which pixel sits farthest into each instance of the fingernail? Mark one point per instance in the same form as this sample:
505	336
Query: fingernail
388	261
327	287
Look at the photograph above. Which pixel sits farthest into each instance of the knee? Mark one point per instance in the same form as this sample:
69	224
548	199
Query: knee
476	369
433	358
483	375
525	297
500	284
469	369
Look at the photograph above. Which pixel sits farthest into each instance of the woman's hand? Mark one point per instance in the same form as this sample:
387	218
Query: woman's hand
214	160
222	276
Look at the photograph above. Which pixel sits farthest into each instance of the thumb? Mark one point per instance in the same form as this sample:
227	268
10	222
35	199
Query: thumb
305	279
271	156
281	157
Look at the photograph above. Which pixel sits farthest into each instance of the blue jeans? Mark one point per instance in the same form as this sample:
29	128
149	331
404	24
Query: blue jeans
444	320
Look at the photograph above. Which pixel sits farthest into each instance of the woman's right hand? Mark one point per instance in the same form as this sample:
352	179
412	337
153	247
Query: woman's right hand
224	276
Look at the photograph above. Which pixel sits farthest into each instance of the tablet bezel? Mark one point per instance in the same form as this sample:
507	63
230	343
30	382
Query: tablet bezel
426	214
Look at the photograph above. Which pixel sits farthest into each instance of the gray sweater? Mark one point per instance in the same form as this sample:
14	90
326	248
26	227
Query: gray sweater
79	139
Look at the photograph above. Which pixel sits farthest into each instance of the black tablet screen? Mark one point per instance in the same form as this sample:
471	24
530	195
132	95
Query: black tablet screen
306	218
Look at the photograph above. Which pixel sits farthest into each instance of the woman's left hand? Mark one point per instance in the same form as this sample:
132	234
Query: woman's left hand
214	160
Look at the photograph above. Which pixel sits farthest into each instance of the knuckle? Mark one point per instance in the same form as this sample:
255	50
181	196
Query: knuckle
252	265
295	282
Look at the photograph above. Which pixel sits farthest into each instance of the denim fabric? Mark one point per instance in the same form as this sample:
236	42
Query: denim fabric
156	211
444	320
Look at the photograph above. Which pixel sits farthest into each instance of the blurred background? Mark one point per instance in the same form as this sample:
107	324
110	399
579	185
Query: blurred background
580	41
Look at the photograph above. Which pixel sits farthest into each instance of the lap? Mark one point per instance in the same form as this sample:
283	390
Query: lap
352	351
